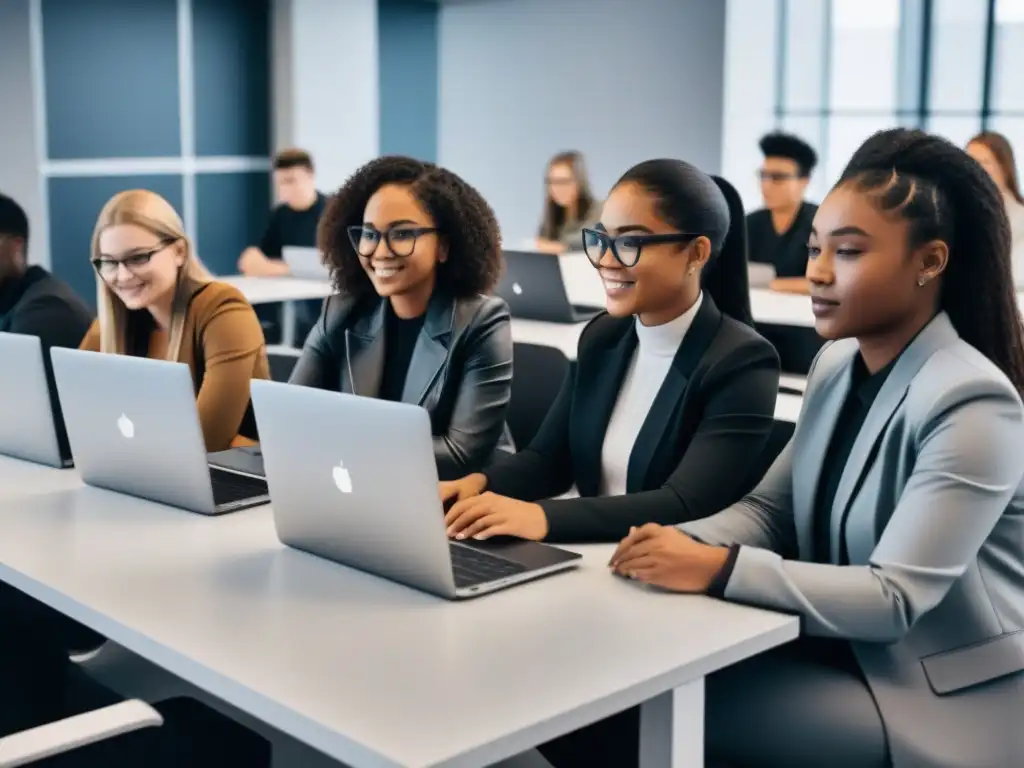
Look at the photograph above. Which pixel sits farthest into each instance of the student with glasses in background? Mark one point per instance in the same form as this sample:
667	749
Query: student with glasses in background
778	232
670	404
156	300
413	249
569	204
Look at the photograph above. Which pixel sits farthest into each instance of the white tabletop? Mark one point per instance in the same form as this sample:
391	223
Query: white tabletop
368	672
269	290
19	479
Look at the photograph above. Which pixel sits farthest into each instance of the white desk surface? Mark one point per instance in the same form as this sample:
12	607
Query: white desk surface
269	290
369	672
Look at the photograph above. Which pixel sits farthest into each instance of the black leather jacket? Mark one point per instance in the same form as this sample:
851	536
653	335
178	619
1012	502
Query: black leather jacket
460	372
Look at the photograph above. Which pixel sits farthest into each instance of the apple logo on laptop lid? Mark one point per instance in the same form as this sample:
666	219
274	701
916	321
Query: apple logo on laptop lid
342	478
125	427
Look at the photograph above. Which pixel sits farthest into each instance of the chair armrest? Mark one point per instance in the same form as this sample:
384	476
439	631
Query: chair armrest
74	732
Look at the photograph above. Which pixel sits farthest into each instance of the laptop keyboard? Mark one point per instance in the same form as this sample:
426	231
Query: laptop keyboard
471	566
231	489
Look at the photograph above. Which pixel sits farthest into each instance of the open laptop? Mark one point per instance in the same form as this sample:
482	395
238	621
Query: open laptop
533	287
305	262
354	480
133	428
31	423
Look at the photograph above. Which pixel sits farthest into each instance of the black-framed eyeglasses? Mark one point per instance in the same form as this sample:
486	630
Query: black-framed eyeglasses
625	249
107	268
400	239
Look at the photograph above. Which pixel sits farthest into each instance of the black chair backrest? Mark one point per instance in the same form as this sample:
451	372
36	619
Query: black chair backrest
281	365
538	372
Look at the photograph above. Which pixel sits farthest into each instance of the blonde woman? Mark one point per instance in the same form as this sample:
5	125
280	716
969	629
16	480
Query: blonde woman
156	300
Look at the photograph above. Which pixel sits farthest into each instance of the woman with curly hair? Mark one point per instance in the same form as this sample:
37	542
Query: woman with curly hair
413	249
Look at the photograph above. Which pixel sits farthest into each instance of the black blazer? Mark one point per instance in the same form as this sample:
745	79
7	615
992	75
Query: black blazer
695	453
461	369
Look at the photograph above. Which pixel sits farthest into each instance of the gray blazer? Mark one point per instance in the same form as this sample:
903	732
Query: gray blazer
933	598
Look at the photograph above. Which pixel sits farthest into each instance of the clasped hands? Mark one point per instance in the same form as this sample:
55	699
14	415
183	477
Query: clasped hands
662	556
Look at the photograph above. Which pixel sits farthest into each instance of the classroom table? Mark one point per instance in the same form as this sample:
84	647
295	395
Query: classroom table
286	290
371	673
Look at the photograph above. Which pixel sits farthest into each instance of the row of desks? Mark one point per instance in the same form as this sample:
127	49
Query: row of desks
372	674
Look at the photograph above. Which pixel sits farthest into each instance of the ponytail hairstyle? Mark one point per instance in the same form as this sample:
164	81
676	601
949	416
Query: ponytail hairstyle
945	195
691	201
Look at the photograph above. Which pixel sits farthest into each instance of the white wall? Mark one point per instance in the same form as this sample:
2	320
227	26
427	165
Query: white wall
325	80
19	145
620	80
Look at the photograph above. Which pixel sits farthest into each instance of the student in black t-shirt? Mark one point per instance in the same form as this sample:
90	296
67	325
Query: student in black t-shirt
778	232
32	301
292	223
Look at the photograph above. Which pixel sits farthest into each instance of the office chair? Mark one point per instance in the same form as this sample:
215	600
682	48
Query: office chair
71	733
282	361
538	372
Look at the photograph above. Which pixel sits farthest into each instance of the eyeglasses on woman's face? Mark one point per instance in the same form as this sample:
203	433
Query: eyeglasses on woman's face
107	266
400	239
626	249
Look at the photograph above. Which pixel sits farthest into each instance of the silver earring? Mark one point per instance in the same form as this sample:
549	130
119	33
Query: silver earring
689	271
922	280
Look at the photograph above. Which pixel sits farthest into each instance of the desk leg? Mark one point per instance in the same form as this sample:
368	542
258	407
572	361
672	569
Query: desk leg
672	728
288	324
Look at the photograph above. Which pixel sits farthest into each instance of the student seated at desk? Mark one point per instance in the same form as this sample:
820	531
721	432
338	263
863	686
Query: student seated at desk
994	153
672	396
778	232
413	249
292	223
32	301
569	205
893	522
156	300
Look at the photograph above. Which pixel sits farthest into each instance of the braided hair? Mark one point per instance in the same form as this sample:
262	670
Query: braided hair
945	195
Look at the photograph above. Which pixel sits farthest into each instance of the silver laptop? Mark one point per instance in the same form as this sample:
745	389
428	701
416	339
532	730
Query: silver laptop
354	480
133	428
534	289
31	426
305	262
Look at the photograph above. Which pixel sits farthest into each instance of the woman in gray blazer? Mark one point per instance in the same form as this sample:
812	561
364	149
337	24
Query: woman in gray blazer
893	522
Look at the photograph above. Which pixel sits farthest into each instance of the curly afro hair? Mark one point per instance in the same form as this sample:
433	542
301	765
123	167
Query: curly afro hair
792	147
462	216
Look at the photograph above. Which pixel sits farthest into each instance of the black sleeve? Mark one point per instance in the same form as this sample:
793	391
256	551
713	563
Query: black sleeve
51	319
485	388
271	242
716	469
544	469
719	584
318	365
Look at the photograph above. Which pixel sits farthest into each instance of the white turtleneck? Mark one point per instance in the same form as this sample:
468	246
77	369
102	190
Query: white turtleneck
656	348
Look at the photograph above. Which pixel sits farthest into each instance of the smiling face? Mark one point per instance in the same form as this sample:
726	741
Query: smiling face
408	263
139	266
665	280
864	277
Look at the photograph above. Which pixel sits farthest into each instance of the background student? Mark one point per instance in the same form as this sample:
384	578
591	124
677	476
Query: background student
671	400
156	300
413	249
569	204
891	524
995	154
778	232
32	301
292	223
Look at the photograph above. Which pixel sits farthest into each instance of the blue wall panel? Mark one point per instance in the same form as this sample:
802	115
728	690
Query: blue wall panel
233	211
111	69
407	49
74	205
231	40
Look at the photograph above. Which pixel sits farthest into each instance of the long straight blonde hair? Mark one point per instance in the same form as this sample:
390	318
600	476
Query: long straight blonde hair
153	213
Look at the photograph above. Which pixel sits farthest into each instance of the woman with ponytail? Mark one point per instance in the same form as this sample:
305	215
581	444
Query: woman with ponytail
671	400
893	522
